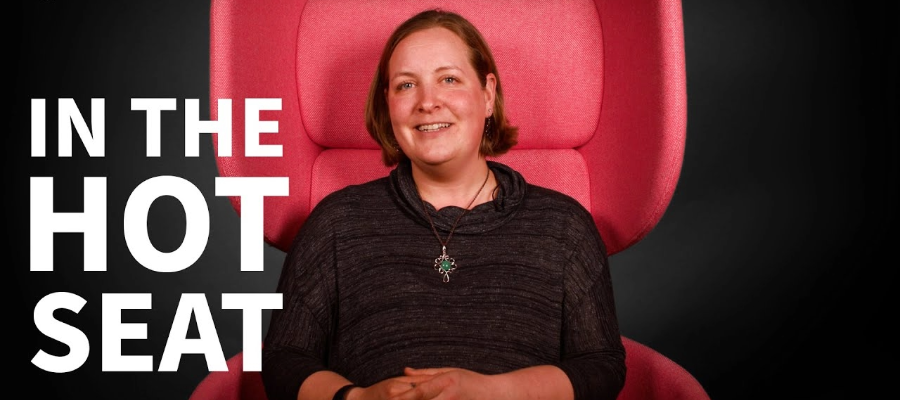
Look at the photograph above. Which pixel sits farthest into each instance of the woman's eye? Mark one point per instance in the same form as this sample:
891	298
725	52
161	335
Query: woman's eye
450	79
405	86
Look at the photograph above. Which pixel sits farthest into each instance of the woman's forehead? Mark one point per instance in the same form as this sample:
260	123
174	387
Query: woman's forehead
432	50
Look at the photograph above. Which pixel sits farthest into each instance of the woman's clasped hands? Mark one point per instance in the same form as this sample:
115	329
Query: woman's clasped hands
426	384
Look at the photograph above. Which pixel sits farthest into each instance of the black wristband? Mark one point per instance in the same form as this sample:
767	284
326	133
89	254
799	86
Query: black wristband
341	394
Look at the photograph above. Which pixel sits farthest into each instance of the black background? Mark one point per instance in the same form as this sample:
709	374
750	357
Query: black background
768	277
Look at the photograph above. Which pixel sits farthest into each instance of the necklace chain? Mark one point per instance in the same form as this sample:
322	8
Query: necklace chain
444	264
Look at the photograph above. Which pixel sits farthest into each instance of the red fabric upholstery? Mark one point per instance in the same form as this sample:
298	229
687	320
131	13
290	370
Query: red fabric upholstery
521	42
597	88
234	384
653	376
650	376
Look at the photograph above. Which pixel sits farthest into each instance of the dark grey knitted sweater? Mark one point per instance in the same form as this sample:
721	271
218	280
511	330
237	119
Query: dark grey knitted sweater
362	298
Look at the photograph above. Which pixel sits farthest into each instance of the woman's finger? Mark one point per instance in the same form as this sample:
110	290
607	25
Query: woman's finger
416	379
409	371
422	391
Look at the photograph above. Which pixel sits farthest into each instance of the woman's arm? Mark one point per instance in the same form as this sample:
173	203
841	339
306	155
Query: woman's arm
297	340
593	356
321	385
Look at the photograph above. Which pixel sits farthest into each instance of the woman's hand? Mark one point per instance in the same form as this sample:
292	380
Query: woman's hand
446	384
388	389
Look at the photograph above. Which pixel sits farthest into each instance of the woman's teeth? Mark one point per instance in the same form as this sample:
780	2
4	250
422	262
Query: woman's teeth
432	127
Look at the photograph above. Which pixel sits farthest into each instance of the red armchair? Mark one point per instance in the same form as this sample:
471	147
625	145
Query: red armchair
597	88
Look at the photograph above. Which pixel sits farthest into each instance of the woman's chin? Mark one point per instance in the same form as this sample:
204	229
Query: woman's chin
432	162
433	159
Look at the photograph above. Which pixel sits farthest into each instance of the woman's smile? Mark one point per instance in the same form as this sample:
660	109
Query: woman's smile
433	127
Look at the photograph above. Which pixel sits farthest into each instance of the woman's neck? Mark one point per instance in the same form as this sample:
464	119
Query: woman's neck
442	187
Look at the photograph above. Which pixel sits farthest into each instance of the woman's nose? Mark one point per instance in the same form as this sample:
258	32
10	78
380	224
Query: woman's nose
429	98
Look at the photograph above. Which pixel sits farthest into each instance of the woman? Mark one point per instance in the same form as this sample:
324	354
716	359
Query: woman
452	277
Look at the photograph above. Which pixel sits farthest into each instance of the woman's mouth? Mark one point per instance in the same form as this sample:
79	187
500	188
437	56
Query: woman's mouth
432	127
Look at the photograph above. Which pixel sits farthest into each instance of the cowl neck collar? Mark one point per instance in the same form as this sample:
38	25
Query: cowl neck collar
482	218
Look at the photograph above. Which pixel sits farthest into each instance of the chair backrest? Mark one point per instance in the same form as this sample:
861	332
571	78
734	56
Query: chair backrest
597	89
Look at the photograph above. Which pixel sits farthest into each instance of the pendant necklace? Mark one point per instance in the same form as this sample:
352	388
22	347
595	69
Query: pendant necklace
444	264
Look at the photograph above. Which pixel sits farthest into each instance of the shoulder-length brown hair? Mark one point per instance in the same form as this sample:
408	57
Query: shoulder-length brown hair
500	135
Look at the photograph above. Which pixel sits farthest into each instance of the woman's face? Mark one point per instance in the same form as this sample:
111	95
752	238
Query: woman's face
436	102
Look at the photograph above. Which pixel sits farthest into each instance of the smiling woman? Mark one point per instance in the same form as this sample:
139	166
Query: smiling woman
370	309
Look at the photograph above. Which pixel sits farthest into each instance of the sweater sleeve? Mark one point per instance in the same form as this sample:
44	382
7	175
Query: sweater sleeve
297	340
593	355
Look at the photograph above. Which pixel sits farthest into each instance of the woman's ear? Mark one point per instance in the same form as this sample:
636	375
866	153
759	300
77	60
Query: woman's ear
490	93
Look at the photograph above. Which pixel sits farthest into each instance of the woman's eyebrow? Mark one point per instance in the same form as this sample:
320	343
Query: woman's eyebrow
410	74
446	67
402	73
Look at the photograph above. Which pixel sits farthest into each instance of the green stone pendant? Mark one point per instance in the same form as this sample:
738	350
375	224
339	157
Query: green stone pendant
444	264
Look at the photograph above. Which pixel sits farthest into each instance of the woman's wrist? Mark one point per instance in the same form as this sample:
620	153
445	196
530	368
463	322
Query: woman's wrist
538	382
499	386
354	393
344	392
